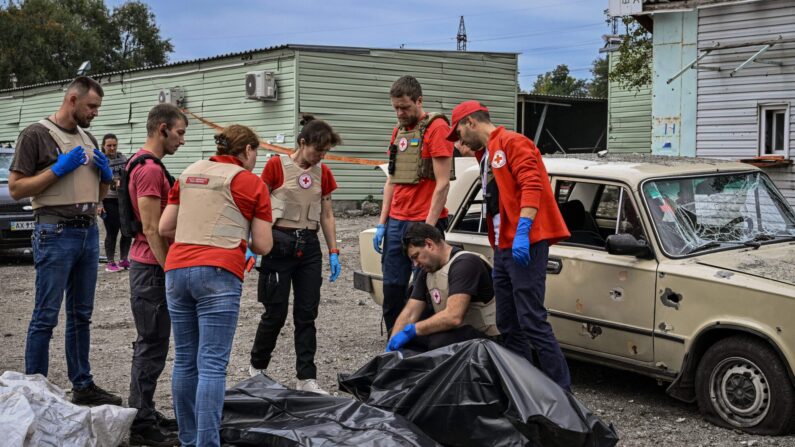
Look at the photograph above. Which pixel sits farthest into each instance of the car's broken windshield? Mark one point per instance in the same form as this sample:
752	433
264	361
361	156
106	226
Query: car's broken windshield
698	213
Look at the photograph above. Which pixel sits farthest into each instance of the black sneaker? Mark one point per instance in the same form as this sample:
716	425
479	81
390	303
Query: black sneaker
165	423
94	395
152	435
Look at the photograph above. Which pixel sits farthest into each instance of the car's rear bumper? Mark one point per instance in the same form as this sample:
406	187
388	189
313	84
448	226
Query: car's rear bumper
372	284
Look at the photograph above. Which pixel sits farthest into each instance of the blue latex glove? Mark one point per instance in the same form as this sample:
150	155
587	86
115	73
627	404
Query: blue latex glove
521	242
251	259
101	162
401	338
379	238
336	268
69	161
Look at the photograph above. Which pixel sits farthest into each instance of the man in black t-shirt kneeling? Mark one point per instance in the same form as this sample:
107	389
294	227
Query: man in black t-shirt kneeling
455	283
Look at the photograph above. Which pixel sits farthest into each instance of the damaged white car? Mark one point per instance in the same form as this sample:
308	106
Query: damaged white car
678	268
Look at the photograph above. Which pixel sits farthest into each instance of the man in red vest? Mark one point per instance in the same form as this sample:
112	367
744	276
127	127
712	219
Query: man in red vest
524	221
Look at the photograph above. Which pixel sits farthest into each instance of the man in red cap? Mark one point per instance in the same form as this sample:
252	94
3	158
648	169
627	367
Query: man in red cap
524	221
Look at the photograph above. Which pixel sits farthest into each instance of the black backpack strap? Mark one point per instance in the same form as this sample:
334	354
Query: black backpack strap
142	159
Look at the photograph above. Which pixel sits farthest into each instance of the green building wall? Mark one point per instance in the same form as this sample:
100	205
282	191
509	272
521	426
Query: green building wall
628	117
348	87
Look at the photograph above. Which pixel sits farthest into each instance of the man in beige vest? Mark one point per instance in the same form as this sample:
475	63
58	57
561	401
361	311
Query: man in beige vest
58	165
455	284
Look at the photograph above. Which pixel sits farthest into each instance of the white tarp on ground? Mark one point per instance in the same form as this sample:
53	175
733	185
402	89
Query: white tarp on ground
34	412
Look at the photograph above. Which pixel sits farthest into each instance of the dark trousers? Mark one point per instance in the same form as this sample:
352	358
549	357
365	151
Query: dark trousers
397	269
521	315
153	325
424	343
279	271
112	230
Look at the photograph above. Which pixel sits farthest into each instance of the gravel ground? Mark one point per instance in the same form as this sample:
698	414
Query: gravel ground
349	335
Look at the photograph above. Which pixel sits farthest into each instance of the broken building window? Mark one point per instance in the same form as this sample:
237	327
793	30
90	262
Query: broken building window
774	130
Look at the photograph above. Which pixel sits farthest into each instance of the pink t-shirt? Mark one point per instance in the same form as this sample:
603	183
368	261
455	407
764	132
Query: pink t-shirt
146	180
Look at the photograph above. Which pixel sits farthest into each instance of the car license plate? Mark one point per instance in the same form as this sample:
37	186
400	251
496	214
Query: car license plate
16	226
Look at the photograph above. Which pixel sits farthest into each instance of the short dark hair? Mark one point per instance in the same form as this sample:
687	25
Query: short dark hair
406	85
317	133
418	232
480	116
83	84
163	113
109	136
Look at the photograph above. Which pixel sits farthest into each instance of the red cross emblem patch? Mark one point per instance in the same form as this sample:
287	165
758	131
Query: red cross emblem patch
403	144
499	160
436	295
305	181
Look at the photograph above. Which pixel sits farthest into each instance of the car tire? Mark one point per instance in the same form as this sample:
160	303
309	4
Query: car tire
741	383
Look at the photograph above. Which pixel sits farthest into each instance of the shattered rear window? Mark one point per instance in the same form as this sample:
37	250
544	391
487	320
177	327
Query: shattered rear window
696	214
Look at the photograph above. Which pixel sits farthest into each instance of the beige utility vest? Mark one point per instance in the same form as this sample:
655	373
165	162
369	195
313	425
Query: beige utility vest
481	316
410	167
208	214
296	203
78	186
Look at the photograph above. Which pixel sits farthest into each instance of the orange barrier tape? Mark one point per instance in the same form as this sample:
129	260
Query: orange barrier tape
284	150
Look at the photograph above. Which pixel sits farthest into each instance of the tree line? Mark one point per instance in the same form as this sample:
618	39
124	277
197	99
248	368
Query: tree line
47	40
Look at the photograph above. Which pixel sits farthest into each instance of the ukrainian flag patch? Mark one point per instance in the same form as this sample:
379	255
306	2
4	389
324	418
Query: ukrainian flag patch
415	142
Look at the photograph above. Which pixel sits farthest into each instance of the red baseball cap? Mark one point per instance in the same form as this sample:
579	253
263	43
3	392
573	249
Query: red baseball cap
460	112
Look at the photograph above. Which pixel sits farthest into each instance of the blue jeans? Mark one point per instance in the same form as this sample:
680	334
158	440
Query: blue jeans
66	260
521	315
396	268
204	303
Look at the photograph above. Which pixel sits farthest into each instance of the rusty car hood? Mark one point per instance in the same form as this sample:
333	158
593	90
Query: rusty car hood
775	262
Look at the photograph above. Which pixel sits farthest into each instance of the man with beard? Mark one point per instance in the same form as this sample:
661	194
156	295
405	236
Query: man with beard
420	164
524	220
149	185
455	283
58	165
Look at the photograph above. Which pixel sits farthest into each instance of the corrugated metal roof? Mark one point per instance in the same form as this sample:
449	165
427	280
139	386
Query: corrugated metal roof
320	48
650	6
571	98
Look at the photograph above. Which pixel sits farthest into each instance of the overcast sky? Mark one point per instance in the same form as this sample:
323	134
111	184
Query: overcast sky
545	32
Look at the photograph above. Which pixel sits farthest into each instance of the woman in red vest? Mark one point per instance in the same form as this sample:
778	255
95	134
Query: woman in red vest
211	211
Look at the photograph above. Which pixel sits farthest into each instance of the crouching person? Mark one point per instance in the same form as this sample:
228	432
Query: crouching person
211	211
455	283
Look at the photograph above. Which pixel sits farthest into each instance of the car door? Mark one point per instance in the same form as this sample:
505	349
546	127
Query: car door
600	303
468	229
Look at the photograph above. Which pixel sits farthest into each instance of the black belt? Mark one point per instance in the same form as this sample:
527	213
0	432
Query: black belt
82	221
299	233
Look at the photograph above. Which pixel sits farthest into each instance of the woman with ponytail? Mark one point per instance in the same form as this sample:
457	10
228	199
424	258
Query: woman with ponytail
301	188
212	210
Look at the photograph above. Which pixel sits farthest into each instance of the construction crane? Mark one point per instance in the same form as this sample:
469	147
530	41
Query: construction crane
461	37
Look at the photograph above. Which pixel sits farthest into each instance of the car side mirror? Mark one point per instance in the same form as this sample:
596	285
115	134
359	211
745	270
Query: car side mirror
626	244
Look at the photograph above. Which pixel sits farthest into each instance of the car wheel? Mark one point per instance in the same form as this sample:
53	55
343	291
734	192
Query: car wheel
742	383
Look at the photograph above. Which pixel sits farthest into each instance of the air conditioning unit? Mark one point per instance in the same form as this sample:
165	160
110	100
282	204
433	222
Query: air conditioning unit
173	95
261	85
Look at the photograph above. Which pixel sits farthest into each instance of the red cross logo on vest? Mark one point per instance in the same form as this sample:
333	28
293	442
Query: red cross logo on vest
436	295
499	160
403	144
305	181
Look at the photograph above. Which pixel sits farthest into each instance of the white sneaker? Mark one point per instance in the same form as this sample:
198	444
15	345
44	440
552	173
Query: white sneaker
254	372
310	385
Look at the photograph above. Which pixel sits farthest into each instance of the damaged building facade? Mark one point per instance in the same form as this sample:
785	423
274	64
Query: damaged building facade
724	82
